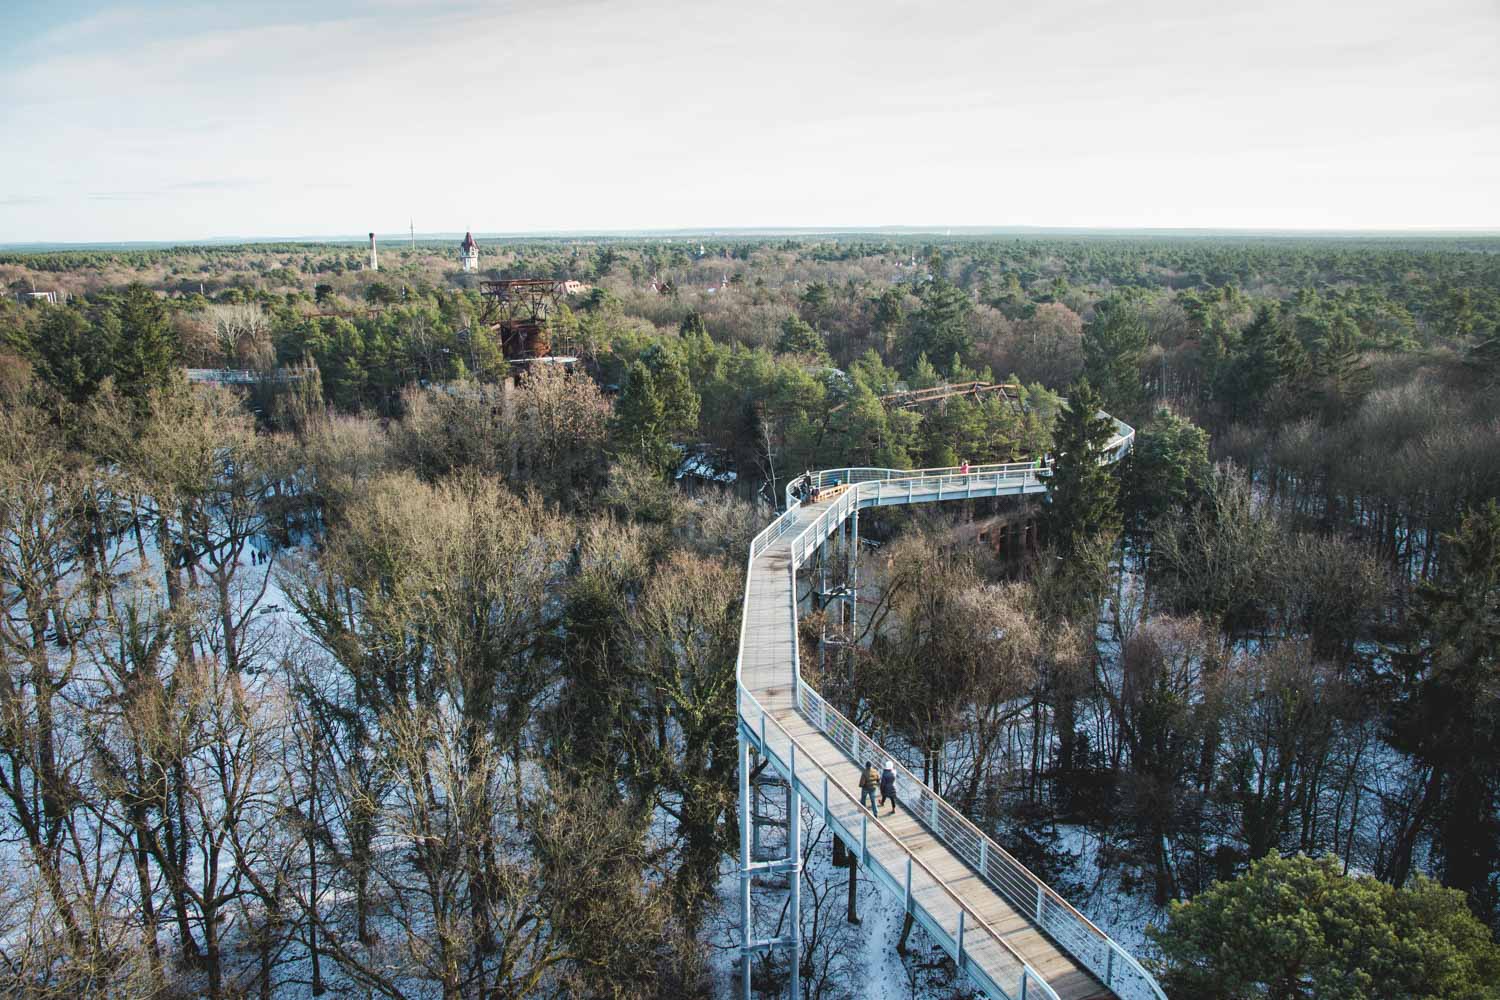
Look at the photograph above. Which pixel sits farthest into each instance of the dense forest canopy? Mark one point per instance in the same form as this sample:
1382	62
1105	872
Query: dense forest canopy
409	671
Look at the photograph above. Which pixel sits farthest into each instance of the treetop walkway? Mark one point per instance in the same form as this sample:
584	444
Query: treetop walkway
1009	932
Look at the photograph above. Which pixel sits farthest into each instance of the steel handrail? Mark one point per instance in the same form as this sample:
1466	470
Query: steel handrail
1123	439
855	475
963	906
989	845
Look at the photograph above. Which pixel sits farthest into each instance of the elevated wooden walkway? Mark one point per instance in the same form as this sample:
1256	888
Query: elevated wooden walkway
1013	936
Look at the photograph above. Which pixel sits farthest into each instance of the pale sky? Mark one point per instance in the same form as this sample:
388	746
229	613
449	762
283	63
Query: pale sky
181	120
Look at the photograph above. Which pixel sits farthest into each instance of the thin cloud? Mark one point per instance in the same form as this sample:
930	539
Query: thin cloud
344	117
214	184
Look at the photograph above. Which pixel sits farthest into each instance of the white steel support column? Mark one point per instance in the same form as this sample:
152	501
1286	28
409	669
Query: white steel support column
822	575
751	866
851	589
827	553
839	572
854	550
794	883
745	859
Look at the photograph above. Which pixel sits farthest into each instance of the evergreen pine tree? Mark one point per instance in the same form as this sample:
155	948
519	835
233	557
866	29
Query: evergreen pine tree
1343	375
72	356
1082	494
1484	356
639	425
817	303
866	433
1114	345
679	401
799	338
1292	928
890	319
145	349
923	375
1167	470
941	328
1270	357
692	325
1448	718
1217	348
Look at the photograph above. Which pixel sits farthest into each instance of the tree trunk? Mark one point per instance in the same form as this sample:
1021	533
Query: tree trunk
905	933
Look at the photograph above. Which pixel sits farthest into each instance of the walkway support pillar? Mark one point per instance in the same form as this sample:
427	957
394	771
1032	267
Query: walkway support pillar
821	601
794	882
745	860
854	549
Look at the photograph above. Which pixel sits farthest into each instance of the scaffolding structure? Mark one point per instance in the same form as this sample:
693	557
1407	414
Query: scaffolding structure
518	309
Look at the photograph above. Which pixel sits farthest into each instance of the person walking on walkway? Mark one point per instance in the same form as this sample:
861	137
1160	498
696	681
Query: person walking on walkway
963	470
888	785
868	780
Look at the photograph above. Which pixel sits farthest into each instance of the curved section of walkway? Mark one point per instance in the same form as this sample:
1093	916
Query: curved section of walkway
1008	931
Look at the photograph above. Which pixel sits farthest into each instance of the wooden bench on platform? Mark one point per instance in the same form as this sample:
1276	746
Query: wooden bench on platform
825	493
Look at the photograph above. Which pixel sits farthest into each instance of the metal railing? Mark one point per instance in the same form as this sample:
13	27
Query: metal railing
242	376
1028	894
1113	451
975	946
1013	881
859	475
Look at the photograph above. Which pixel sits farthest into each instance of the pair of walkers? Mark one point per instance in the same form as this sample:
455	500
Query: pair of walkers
871	779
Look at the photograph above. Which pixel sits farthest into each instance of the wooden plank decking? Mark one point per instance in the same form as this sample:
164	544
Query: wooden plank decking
767	674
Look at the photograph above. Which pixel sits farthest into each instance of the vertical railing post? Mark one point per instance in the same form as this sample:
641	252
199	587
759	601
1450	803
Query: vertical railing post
864	838
984	857
1039	898
1109	965
908	883
961	938
825	799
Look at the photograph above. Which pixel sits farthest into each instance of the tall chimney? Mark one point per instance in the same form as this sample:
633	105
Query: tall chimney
374	263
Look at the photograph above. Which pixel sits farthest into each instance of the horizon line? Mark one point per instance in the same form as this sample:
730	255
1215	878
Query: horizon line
396	236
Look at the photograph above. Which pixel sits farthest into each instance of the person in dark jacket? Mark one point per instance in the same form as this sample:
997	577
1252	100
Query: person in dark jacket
869	779
888	785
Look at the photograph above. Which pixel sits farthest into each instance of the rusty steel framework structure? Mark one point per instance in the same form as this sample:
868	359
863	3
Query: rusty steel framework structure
520	298
518	309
